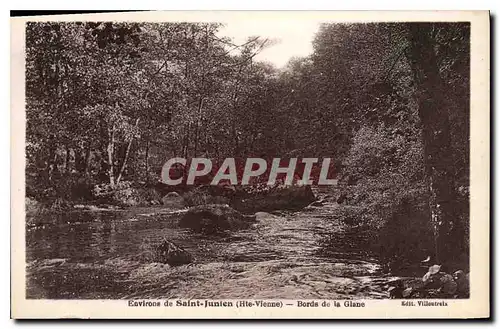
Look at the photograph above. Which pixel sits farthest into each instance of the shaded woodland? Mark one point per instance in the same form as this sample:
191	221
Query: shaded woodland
107	103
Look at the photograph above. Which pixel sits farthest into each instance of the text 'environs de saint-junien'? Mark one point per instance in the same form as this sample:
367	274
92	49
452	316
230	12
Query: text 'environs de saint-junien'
240	303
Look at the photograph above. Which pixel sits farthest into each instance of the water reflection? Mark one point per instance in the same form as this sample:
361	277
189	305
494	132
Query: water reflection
84	237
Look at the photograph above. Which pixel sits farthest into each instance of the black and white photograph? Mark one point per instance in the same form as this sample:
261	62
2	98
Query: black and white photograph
248	163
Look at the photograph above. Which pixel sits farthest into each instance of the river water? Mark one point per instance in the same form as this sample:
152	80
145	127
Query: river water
107	255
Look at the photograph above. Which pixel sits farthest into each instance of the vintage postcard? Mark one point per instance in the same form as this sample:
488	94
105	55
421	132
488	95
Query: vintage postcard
236	165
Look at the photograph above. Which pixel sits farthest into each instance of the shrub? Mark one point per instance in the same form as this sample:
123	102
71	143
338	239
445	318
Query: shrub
383	178
148	195
125	193
406	236
202	195
32	207
69	187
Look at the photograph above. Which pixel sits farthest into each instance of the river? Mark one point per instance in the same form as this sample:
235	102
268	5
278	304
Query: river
107	255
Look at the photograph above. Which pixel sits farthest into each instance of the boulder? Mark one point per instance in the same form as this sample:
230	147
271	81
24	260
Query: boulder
169	253
448	285
281	198
173	200
462	281
215	218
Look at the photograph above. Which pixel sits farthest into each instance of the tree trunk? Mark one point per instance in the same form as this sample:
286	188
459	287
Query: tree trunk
127	152
51	162
110	150
147	158
236	145
67	160
78	159
433	113
195	149
88	155
185	148
197	128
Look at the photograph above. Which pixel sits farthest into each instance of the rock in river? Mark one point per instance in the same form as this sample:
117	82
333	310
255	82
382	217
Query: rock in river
214	218
169	253
282	198
173	200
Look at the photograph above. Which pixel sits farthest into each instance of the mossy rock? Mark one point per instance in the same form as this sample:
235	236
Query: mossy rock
215	218
282	198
